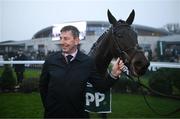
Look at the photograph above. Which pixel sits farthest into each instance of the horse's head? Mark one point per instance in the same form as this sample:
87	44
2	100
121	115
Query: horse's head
125	45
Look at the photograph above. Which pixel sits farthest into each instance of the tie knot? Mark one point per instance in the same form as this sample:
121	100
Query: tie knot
69	57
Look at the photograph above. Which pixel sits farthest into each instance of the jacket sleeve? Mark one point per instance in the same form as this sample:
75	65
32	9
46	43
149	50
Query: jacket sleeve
43	82
101	82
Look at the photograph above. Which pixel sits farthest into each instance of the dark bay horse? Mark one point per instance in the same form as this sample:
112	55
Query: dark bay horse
120	40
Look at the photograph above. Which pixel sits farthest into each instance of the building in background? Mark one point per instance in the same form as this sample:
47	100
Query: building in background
47	40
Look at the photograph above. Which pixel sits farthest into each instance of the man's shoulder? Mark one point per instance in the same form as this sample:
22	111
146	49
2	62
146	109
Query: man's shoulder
82	56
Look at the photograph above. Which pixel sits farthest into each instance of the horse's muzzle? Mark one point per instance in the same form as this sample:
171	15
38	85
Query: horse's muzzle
140	67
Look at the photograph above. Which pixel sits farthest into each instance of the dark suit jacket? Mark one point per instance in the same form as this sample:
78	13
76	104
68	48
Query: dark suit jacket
62	85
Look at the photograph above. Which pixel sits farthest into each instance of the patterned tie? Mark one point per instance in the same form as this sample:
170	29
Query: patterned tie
69	57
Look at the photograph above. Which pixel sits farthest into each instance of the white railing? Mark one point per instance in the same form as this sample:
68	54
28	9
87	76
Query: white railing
33	64
153	65
22	62
156	65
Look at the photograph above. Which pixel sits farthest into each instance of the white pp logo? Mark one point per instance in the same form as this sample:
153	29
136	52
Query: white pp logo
97	97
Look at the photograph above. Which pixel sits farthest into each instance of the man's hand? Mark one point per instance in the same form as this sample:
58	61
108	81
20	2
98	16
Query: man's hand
117	68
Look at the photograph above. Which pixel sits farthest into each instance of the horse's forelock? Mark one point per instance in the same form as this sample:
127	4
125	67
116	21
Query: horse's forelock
121	21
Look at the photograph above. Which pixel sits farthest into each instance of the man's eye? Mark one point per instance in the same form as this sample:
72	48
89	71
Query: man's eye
65	38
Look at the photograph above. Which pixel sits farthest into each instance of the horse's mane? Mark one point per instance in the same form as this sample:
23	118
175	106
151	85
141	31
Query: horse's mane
98	42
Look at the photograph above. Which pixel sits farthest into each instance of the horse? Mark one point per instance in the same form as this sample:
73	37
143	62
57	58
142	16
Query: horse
120	40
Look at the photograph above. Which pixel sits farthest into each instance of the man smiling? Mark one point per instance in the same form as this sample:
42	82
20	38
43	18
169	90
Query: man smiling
64	77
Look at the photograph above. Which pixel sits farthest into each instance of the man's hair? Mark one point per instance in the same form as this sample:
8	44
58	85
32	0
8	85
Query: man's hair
73	29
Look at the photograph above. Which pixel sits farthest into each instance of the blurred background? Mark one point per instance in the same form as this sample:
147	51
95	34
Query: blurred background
33	25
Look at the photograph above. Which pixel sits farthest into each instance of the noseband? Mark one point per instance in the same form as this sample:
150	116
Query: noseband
121	52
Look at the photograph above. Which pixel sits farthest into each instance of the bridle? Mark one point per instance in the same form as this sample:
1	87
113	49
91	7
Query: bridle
123	52
127	60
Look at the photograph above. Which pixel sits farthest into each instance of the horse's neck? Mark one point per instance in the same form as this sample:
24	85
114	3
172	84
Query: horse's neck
103	59
102	54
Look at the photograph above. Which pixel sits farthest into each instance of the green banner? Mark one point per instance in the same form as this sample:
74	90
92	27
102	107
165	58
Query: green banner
97	101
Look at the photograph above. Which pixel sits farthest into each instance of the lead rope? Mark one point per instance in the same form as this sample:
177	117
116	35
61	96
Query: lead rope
146	101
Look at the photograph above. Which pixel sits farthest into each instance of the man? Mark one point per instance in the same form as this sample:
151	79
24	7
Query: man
63	80
19	68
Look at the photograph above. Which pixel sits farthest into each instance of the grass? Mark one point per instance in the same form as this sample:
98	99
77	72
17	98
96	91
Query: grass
20	105
29	73
32	73
133	106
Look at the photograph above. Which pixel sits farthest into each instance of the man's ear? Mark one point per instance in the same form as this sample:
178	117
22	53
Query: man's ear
77	41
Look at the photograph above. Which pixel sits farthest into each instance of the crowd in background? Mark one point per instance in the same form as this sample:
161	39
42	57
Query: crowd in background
35	55
170	55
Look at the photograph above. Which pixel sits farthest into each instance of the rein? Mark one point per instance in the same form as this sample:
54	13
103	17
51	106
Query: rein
156	92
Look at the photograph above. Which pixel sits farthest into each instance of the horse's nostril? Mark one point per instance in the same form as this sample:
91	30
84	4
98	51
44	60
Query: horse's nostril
141	64
141	67
138	63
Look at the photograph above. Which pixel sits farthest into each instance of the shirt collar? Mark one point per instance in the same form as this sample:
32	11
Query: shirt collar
72	54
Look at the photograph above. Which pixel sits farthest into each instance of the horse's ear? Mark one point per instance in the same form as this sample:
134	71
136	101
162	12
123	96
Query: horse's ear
111	18
130	19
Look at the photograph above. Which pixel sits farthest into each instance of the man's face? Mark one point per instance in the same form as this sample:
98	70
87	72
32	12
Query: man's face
68	43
